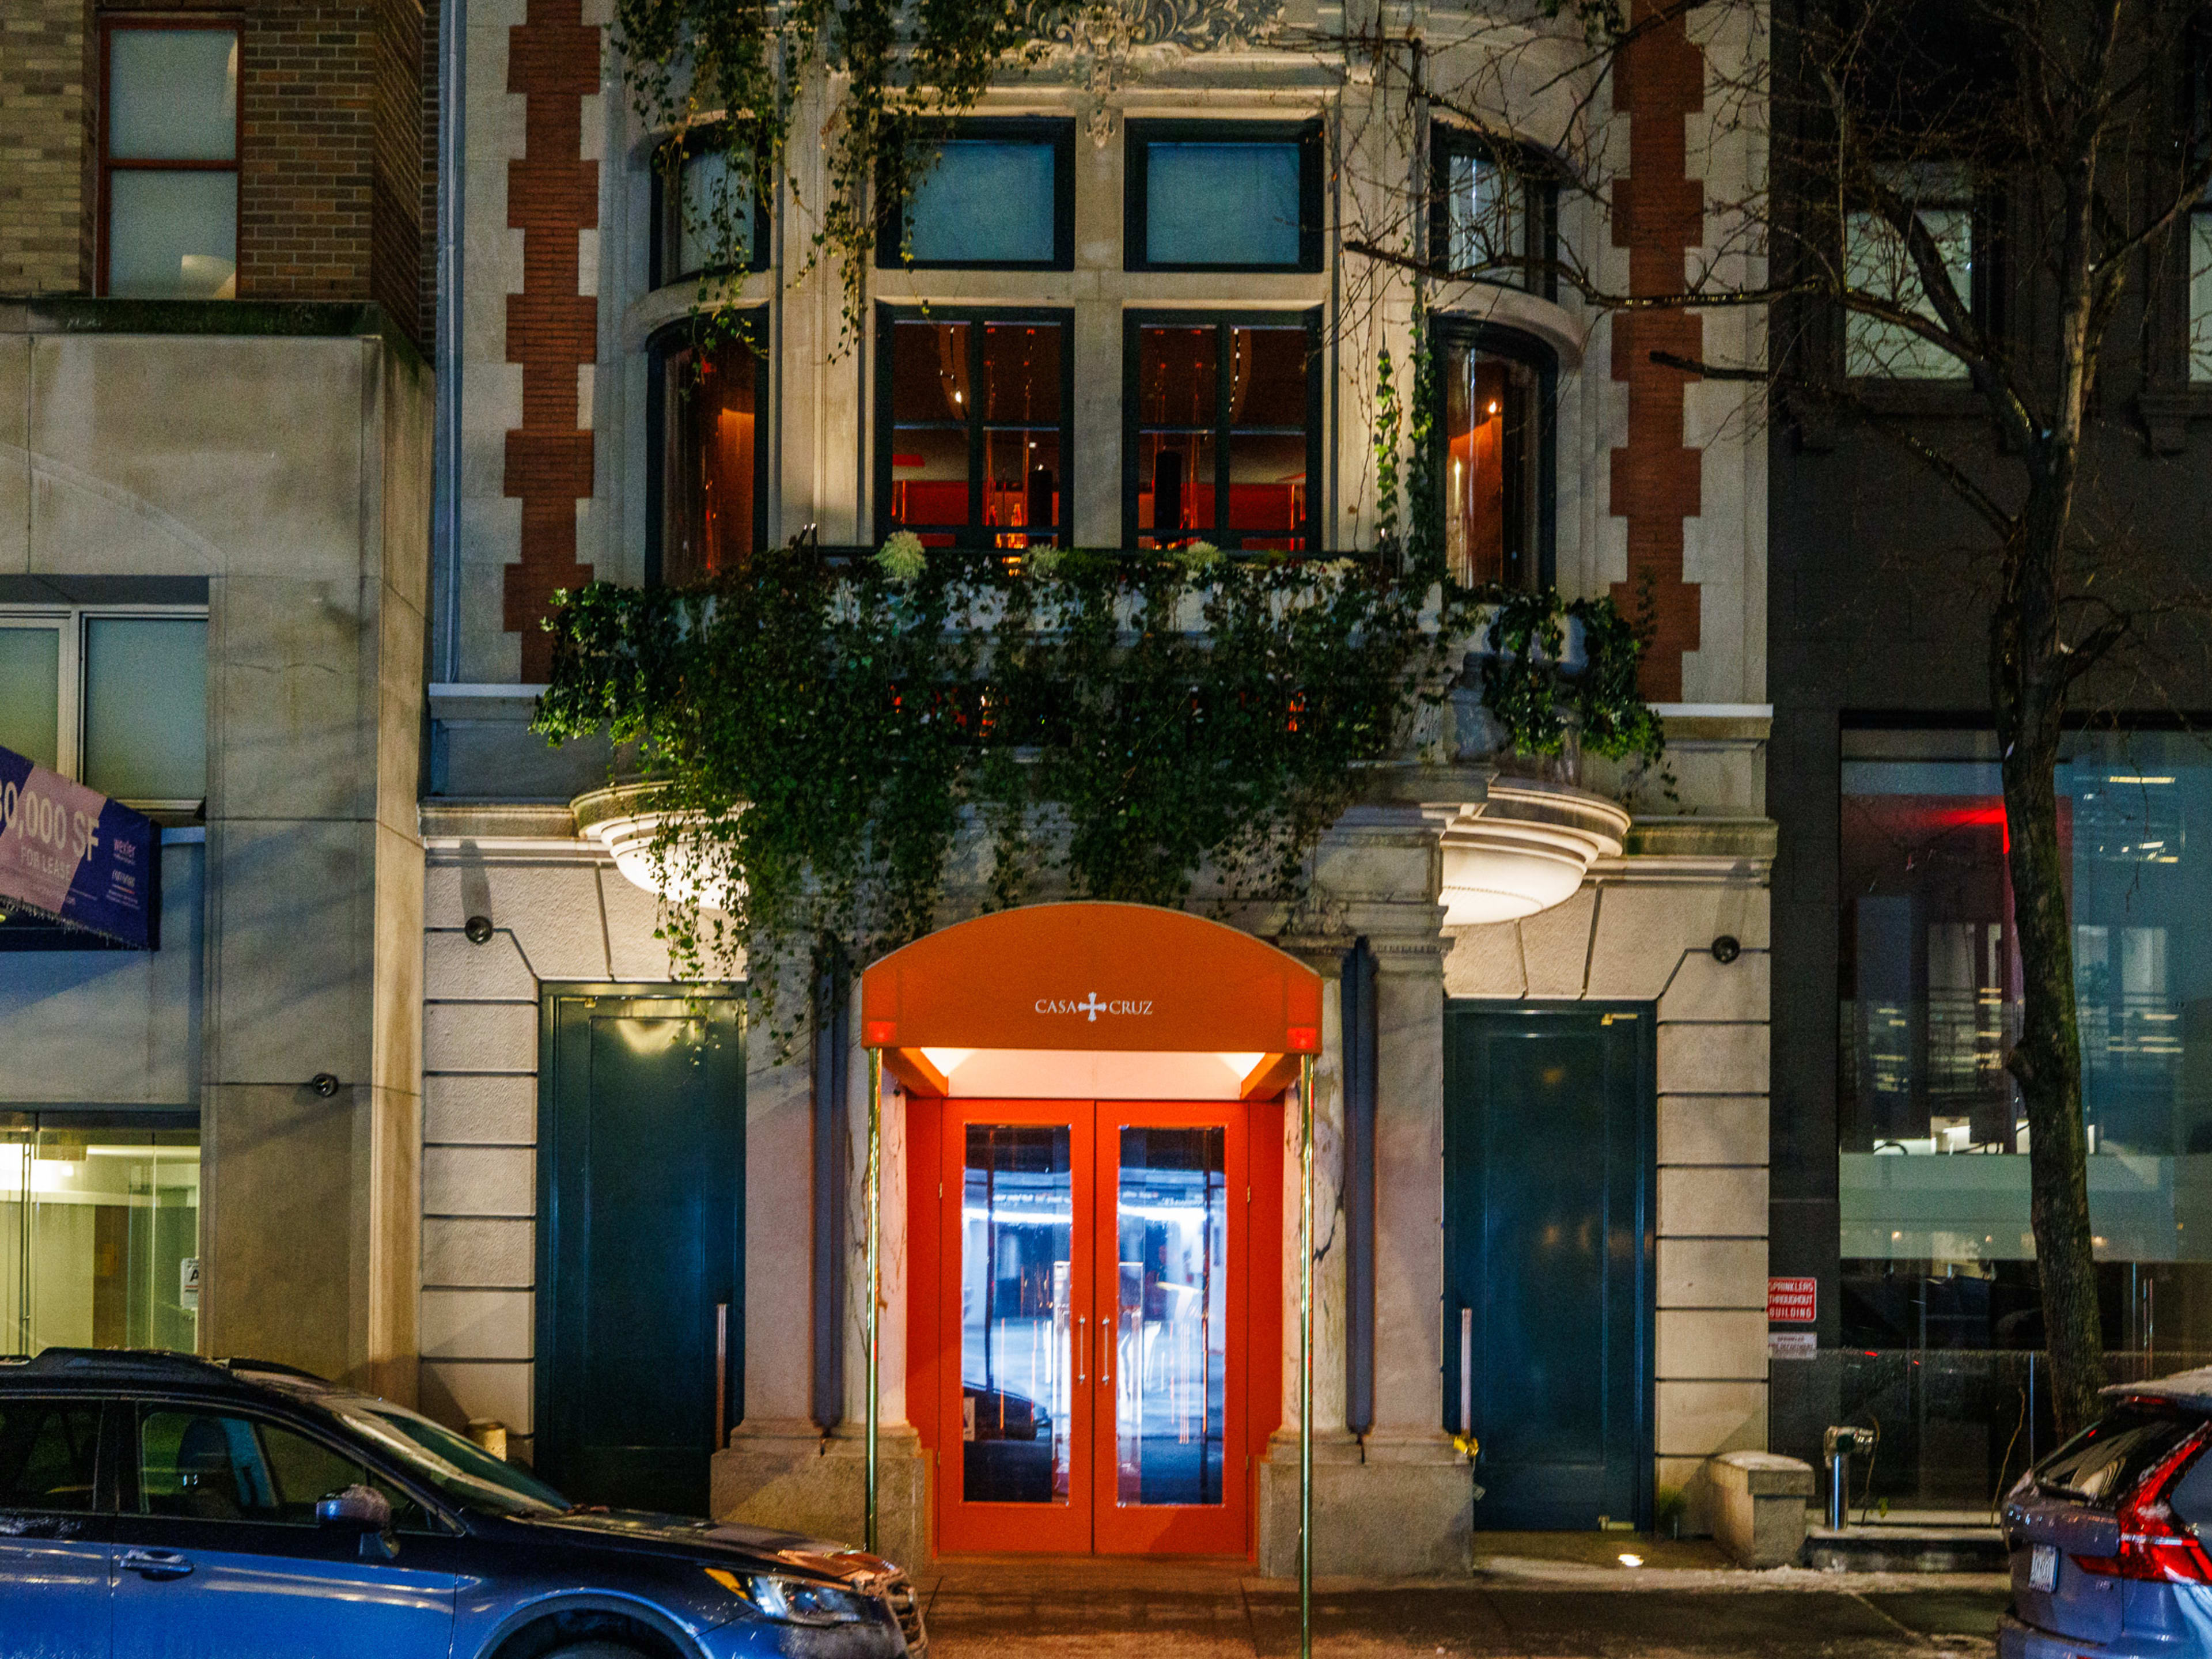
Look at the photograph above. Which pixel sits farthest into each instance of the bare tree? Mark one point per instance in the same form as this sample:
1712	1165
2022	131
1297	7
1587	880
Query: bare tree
2067	133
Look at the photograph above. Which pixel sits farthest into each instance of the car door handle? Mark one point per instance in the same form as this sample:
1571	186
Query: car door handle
157	1563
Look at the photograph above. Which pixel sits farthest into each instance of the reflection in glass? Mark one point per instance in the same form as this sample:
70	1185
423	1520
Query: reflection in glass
986	202
1016	1225
1222	205
1492	453
1485	223
172	236
712	399
98	1230
30	693
714	217
173	94
1171	1327
1938	1251
145	707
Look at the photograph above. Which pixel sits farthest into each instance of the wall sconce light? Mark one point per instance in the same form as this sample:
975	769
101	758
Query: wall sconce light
478	929
1726	949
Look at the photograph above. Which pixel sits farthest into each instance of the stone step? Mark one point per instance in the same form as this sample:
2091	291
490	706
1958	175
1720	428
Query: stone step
1906	1549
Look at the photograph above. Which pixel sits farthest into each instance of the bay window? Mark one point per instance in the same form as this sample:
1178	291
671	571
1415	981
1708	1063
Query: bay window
1495	217
707	508
1494	431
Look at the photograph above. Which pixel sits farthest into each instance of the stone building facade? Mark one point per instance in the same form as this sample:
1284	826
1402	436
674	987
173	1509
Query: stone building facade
571	419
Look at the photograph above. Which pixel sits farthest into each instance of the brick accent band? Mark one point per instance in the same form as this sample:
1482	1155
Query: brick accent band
552	194
1658	216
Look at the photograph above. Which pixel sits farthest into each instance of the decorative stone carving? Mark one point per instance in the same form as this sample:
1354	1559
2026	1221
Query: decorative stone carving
1101	42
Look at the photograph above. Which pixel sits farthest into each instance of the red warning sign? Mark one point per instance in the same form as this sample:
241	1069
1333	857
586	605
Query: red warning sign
1792	1301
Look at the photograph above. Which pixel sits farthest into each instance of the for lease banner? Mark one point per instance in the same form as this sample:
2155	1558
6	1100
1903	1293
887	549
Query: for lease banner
71	854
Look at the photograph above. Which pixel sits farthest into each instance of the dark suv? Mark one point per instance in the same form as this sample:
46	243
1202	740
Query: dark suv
2108	1559
153	1502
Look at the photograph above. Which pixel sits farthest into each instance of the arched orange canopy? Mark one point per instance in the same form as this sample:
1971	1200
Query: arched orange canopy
1090	976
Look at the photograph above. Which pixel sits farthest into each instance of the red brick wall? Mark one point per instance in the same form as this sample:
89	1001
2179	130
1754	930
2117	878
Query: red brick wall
332	180
552	329
1658	214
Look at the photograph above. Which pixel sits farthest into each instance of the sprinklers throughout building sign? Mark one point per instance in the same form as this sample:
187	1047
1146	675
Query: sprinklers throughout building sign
70	854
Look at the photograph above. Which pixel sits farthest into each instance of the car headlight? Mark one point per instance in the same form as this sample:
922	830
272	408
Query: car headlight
793	1600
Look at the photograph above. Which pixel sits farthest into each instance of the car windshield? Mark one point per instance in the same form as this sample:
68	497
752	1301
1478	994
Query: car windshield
2103	1463
458	1468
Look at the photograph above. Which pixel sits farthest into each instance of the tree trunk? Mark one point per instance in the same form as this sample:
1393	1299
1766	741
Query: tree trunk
2029	675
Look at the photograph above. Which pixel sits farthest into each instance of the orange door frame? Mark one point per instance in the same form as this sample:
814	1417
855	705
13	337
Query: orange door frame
1092	1520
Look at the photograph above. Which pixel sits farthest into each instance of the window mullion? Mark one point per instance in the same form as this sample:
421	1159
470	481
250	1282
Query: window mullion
975	487
1225	352
69	746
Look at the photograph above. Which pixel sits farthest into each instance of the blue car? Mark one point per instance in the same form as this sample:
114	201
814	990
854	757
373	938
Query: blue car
2107	1535
231	1509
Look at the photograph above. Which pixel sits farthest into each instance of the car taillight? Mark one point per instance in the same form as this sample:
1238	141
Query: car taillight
2153	1544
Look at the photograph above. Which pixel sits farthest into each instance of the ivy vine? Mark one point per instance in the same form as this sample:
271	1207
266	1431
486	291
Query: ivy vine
728	77
825	735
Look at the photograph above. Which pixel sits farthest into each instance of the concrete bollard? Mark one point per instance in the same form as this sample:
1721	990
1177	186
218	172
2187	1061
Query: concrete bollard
1759	1506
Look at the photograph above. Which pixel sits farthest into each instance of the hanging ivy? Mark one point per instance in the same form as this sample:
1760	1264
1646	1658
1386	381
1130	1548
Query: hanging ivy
729	77
825	733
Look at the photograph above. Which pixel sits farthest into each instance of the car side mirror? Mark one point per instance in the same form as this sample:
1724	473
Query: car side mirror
354	1509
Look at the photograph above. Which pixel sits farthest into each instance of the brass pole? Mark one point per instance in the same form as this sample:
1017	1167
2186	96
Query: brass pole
1305	1353
874	1278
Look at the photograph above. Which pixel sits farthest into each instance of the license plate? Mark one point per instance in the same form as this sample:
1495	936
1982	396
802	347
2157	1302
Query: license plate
2043	1567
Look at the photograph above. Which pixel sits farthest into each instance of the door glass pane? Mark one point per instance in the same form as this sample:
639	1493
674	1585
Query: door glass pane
114	1239
30	693
986	202
16	1137
145	707
172	236
1492	434
1171	1333
1016	1225
1221	205
173	94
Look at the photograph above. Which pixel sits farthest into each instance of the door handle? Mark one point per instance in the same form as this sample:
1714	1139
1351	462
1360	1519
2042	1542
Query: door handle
1082	1347
157	1563
721	1376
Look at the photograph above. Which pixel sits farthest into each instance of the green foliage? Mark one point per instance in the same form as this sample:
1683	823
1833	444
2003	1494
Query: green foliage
1526	688
728	75
823	734
1389	421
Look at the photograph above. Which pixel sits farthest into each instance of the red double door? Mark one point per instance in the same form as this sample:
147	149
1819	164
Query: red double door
1093	1344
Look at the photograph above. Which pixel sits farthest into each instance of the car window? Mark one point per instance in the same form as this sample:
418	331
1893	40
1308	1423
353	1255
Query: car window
2102	1464
215	1465
457	1469
48	1450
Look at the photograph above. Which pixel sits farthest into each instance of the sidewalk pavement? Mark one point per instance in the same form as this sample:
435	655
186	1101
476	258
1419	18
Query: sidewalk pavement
1532	1596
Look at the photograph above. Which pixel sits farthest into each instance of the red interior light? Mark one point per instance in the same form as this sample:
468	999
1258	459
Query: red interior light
878	1033
1303	1040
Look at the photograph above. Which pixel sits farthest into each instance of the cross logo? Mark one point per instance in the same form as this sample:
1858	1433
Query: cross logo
1093	1008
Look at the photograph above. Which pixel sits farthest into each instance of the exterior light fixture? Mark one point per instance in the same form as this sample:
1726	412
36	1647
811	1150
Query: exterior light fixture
478	930
1726	949
323	1084
623	820
1627	1560
1523	849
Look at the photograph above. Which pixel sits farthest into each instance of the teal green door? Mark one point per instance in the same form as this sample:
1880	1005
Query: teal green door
641	1243
1549	1124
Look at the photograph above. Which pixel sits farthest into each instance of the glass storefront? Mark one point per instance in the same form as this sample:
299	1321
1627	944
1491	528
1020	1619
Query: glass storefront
1941	1319
99	1231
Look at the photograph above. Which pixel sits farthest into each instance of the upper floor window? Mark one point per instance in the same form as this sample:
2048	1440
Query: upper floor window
1223	196
704	422
973	429
1222	430
705	214
168	160
2200	294
1878	263
114	699
1495	428
999	193
1495	215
